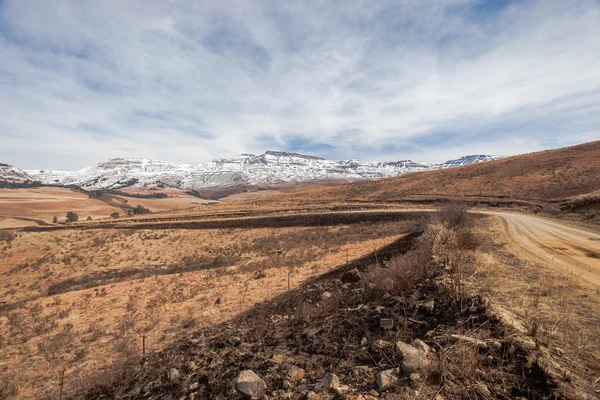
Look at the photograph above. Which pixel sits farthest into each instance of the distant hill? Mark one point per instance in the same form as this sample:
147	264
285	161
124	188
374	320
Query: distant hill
268	169
546	175
13	174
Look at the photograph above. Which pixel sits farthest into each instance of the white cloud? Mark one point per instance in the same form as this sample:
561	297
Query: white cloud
192	81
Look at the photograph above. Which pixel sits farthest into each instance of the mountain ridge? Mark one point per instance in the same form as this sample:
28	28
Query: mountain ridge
269	168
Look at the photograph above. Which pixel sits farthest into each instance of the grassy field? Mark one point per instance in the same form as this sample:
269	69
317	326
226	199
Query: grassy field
81	300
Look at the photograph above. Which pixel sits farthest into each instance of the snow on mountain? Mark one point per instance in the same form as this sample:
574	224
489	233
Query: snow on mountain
270	168
465	161
11	173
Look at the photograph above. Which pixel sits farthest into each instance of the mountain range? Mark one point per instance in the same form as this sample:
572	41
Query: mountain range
268	169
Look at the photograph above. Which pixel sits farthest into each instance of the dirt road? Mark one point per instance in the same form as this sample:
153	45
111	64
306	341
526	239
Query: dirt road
570	248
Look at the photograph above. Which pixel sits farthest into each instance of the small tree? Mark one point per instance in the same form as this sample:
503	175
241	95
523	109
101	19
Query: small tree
140	209
72	217
54	220
115	215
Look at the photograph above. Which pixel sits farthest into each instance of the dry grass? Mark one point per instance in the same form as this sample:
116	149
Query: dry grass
157	284
560	312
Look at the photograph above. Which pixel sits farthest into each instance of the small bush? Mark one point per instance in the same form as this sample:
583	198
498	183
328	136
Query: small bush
72	217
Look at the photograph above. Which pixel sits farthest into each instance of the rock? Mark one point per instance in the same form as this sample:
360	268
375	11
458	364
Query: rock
351	276
414	355
192	366
477	342
386	323
482	391
379	345
413	362
236	341
341	390
194	386
174	375
495	345
373	393
295	374
379	309
329	381
386	379
415	377
286	396
360	370
363	341
250	385
326	295
220	300
428	306
420	345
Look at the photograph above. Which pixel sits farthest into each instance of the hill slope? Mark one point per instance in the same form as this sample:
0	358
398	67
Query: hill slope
546	176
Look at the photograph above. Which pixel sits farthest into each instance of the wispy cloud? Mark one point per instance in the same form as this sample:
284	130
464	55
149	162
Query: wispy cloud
192	81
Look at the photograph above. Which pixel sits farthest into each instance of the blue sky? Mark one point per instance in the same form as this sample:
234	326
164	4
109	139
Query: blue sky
190	81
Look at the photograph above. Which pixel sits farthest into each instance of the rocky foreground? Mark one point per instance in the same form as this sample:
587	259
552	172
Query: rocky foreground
403	328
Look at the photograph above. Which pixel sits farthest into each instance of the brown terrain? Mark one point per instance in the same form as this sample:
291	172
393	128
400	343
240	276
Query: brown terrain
365	287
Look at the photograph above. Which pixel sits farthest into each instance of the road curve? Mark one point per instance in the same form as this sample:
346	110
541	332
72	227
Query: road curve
570	248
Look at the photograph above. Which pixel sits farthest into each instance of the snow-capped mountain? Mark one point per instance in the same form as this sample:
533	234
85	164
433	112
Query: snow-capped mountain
465	161
11	173
270	168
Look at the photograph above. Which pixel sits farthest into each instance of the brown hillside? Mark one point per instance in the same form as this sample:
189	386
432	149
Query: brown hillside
544	176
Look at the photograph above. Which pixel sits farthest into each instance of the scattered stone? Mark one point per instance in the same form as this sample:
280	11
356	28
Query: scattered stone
414	355
420	345
477	342
373	393
364	341
351	276
326	295
360	370
495	345
379	309
236	341
379	345
413	362
386	379
220	300
250	384
194	386
511	350
174	375
192	366
428	306
386	323
341	390
329	381
286	396
295	374
415	377
482	391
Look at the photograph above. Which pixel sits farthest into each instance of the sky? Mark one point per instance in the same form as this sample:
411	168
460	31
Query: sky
191	81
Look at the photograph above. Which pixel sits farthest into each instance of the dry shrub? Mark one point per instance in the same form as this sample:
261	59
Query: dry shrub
453	215
467	359
6	237
9	387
